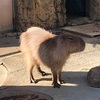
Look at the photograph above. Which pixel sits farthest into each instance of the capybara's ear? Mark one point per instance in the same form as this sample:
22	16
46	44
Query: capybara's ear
63	37
67	37
60	38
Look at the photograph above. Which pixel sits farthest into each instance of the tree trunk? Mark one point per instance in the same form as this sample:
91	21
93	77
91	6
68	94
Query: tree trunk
44	13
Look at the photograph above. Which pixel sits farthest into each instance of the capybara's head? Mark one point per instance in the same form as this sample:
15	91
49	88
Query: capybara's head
73	43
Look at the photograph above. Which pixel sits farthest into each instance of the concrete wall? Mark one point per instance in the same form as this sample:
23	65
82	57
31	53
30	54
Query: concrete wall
5	15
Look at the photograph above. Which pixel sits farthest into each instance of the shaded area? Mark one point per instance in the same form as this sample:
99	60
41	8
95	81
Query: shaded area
76	8
8	54
75	88
9	42
33	96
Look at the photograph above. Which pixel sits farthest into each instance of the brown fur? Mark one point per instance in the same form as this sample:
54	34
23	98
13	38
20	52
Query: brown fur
42	47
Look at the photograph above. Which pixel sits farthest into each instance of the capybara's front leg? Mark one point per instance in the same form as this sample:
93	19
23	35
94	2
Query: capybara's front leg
55	83
60	80
32	79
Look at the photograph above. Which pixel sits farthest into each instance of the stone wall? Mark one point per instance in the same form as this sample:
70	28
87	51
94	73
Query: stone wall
43	13
94	12
48	13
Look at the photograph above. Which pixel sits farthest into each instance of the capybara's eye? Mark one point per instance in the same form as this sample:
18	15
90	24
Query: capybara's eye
70	38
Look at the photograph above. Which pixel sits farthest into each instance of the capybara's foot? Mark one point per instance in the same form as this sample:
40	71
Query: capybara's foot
33	81
44	73
56	85
62	81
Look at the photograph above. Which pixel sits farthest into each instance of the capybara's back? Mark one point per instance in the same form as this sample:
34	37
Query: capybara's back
42	47
32	38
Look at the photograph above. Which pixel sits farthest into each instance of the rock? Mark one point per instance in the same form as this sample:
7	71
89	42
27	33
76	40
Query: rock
94	9
93	77
3	74
44	13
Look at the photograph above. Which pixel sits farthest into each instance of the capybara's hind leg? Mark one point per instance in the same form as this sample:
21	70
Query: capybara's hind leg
55	83
30	66
42	72
31	75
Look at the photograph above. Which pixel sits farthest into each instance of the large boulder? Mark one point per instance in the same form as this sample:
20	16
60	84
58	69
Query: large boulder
43	13
93	77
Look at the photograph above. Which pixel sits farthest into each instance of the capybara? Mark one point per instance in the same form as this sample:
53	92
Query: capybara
40	47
